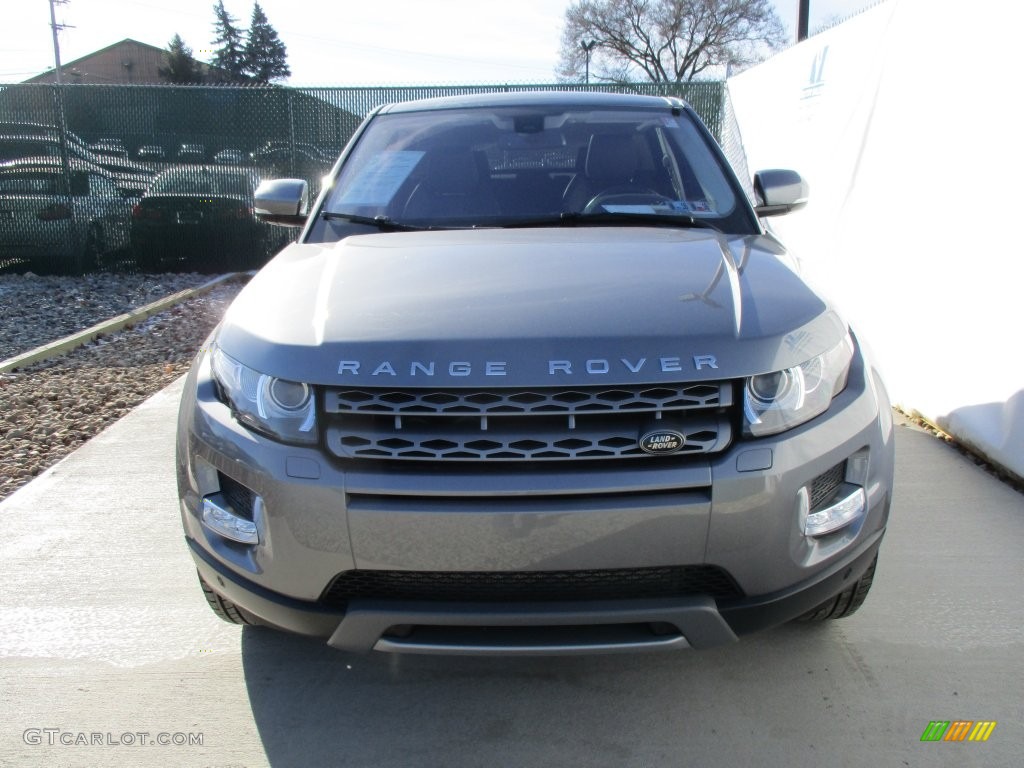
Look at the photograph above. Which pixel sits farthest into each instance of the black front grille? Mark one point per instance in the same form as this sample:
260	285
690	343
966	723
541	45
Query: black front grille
531	586
237	495
825	485
546	423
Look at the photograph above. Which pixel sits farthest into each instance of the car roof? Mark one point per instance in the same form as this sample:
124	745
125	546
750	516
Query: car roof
193	172
51	164
537	99
28	128
39	138
204	169
47	139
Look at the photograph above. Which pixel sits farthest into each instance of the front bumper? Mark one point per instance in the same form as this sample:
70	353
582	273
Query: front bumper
739	512
542	629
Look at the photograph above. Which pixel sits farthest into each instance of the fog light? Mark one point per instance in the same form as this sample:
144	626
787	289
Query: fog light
220	518
837	515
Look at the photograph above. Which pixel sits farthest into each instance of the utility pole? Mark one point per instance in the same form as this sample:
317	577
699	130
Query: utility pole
55	28
62	127
588	46
803	18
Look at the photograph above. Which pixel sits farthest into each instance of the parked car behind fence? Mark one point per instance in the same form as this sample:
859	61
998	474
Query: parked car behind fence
129	176
192	153
109	148
58	224
201	217
151	152
283	158
231	157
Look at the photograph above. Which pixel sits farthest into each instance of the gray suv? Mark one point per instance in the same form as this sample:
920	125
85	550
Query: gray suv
535	379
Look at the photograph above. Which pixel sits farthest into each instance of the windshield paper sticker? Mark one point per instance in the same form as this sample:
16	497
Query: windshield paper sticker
380	178
630	209
672	206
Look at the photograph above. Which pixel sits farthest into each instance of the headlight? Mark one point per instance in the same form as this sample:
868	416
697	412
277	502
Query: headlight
281	409
775	402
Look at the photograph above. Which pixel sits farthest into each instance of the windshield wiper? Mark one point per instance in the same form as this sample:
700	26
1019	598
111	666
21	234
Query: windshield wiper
577	218
383	223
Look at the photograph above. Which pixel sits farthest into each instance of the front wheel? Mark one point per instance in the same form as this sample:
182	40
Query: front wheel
89	259
147	260
846	602
224	608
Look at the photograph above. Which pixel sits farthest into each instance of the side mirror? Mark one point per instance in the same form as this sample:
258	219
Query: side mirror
282	201
779	192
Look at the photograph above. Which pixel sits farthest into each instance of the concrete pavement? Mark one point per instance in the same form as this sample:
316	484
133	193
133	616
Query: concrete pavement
105	636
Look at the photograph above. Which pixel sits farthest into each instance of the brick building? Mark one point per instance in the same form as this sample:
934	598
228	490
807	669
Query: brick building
128	62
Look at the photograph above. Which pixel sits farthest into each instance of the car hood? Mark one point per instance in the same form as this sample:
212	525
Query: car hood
515	307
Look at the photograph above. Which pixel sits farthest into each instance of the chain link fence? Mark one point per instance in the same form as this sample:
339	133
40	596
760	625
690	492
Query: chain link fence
159	177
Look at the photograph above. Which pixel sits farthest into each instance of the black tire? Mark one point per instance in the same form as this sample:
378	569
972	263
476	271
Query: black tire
147	261
846	602
91	251
224	608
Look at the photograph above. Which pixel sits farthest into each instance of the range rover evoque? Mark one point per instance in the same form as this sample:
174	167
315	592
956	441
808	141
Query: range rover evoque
535	378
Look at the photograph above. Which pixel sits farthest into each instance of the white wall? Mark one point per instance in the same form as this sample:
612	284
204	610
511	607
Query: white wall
905	120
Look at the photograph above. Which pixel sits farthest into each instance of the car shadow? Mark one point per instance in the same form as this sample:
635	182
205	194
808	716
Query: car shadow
313	705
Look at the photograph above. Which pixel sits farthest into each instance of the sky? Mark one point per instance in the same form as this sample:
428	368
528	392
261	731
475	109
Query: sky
341	42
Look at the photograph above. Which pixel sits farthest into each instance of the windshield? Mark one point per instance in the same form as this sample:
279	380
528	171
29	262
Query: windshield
523	166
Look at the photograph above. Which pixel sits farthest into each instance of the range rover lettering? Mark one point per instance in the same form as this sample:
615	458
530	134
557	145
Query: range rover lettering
535	379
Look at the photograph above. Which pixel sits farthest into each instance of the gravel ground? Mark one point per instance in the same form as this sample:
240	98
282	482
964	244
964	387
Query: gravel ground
50	408
35	310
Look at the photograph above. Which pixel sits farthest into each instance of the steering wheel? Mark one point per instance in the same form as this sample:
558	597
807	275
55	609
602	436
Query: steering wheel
631	197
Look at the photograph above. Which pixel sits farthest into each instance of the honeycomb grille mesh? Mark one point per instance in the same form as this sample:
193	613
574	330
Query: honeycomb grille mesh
538	401
237	495
825	485
518	425
531	586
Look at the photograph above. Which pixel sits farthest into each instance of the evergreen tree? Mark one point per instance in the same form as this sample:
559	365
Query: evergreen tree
229	55
266	58
181	68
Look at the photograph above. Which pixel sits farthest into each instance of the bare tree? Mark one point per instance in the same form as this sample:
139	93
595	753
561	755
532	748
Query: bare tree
666	41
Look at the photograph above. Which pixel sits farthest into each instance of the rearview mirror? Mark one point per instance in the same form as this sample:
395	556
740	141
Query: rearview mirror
779	192
282	201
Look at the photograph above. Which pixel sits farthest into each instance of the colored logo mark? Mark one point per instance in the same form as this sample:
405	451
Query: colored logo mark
958	730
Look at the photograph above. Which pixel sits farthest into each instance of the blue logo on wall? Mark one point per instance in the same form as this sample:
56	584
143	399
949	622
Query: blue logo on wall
816	81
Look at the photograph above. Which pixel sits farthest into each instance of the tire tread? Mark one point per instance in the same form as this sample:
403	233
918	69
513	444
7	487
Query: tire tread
223	607
846	602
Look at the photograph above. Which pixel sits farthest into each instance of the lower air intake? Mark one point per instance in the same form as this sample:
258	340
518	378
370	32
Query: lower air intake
532	586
